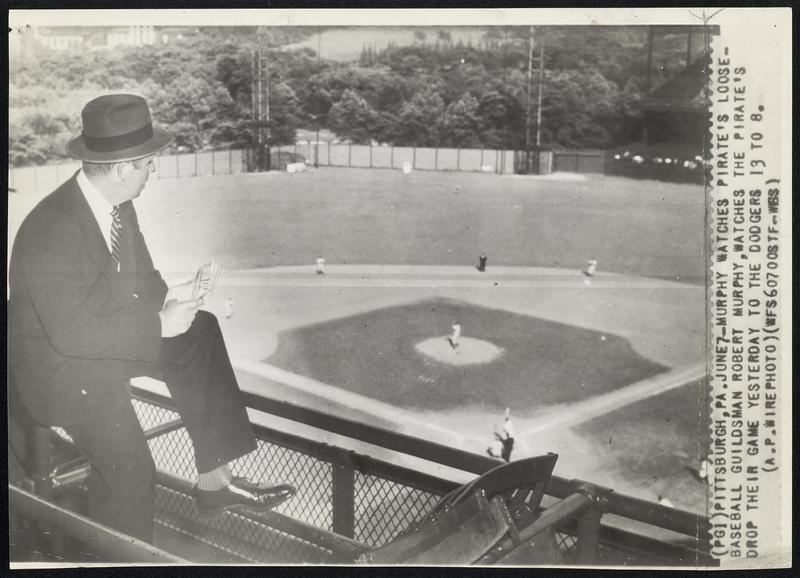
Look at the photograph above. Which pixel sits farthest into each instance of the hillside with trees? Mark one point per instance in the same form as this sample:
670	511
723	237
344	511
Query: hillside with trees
434	92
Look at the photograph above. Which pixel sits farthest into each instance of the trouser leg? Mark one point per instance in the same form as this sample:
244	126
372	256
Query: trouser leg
102	422
198	373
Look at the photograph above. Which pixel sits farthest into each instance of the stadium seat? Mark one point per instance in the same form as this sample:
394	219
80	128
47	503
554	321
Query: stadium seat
43	455
482	522
520	483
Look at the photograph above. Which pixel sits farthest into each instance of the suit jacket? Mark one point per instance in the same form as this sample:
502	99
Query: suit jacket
73	316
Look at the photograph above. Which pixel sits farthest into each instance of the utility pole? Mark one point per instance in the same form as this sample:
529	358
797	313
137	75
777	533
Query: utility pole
528	108
539	95
260	109
267	119
539	88
689	48
649	80
255	108
505	53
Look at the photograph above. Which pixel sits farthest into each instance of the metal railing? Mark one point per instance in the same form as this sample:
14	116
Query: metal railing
112	544
349	502
367	501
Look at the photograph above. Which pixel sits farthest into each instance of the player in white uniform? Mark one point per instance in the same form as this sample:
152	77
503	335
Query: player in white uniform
503	443
456	335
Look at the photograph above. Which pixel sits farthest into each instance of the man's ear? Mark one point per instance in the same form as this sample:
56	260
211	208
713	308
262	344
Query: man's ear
122	171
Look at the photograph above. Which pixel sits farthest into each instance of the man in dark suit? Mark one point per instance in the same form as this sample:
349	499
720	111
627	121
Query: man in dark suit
87	313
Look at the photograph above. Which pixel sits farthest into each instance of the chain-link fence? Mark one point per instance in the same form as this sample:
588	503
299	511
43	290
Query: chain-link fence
348	504
381	508
567	546
241	537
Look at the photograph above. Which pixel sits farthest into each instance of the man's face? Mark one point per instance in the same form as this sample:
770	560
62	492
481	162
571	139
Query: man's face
136	174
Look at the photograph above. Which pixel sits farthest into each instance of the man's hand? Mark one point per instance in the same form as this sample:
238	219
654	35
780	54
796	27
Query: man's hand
177	316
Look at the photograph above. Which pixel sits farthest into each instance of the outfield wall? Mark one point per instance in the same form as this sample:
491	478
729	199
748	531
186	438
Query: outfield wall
42	179
326	154
45	178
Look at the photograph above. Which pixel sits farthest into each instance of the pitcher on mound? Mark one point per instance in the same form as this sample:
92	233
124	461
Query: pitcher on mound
453	339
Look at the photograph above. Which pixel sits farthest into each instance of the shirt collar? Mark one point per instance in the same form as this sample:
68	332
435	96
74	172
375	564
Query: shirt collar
99	206
98	203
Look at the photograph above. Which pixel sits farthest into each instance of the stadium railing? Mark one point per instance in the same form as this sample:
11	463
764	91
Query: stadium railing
350	502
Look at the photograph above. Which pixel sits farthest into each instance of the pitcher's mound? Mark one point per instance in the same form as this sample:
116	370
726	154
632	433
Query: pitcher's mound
470	351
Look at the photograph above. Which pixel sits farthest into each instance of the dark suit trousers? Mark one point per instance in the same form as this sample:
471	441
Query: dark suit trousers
101	420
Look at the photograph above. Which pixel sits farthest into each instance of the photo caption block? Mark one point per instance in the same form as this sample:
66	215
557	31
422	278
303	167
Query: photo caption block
749	291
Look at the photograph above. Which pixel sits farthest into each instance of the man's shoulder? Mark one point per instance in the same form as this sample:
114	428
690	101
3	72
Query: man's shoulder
52	210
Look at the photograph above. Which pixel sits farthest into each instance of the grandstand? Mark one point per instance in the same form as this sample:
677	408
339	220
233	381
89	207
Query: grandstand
674	123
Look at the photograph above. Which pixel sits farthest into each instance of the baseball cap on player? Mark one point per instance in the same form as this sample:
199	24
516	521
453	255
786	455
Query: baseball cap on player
117	127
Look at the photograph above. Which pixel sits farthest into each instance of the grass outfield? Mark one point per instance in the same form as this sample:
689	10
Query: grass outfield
657	458
379	216
543	362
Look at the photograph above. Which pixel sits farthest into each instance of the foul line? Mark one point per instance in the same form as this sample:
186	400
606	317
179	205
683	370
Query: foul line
425	276
566	416
339	396
387	282
570	415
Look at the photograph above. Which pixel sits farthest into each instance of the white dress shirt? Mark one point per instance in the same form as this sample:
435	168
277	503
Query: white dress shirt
101	208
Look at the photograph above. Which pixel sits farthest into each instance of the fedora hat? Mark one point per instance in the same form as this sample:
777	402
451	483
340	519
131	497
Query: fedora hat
117	127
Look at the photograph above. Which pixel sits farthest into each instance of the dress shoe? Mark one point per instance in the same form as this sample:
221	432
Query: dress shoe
241	494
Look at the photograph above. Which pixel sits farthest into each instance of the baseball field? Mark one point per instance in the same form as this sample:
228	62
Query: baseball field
607	371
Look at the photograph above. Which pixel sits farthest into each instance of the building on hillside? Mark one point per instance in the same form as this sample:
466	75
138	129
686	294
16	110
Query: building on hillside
62	41
676	112
674	119
131	36
173	34
674	127
62	38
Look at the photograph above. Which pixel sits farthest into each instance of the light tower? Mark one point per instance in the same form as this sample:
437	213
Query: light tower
539	81
259	107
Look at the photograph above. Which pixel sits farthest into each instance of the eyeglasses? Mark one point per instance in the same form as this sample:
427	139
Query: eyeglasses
151	165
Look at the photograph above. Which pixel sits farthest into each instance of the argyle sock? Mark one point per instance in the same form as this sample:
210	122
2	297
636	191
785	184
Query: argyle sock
214	480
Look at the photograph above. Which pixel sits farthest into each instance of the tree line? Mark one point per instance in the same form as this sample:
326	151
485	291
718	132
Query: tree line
434	92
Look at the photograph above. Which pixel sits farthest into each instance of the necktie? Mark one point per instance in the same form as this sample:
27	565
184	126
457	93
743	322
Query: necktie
116	235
